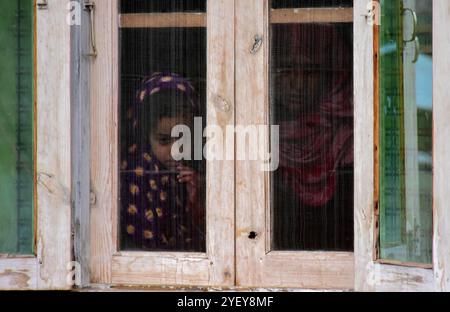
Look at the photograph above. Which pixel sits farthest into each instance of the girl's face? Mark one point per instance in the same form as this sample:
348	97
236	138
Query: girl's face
162	141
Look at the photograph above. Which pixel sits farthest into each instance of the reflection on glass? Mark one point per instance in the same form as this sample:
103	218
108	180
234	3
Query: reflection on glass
406	131
16	127
311	100
163	85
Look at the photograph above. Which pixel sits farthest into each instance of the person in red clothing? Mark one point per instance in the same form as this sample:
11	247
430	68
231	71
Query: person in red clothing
313	105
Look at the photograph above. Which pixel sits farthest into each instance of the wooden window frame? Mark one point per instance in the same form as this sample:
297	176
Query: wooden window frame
371	274
107	264
48	267
256	264
242	181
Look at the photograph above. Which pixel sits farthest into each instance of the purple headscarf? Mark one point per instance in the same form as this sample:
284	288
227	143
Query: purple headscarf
155	212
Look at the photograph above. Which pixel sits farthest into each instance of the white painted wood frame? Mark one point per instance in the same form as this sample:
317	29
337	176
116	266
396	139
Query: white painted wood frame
370	275
107	264
256	264
49	267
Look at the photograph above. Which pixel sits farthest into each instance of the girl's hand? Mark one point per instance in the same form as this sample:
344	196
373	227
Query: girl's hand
190	177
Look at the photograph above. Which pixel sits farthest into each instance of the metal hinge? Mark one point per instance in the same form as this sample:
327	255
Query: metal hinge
42	4
89	6
373	13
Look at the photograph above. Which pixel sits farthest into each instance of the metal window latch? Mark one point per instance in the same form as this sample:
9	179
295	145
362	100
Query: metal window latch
373	13
258	40
414	23
89	6
414	38
42	4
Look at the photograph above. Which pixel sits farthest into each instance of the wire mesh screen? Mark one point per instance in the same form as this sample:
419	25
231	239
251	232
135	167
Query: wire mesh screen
311	99
162	87
280	4
162	6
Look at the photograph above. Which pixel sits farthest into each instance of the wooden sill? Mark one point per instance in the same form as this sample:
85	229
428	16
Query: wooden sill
124	288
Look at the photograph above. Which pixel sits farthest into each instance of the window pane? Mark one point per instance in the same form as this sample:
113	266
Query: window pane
406	132
311	94
16	127
280	4
163	85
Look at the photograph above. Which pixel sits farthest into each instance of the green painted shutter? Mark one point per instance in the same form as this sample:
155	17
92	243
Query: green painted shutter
16	127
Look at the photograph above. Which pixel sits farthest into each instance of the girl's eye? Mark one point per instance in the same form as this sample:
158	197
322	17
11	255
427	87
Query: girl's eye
164	141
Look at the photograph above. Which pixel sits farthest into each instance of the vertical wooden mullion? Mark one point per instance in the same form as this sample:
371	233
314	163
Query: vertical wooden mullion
80	98
104	142
441	145
220	198
251	109
53	147
364	141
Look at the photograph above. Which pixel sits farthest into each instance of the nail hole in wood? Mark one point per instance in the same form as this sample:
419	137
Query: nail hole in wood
252	235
